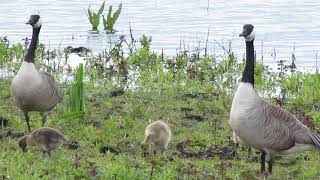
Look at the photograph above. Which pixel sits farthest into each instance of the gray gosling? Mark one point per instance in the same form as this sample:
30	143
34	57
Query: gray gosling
157	135
48	139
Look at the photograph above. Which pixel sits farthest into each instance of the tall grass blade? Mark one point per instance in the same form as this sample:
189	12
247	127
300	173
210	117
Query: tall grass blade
76	98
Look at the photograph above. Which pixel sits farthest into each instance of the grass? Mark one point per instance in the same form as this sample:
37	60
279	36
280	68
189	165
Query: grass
192	93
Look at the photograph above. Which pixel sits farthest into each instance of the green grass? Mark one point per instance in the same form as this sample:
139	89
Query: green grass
172	89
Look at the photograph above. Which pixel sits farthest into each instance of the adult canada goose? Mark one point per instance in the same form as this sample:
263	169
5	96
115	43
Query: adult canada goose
48	139
34	90
261	125
157	134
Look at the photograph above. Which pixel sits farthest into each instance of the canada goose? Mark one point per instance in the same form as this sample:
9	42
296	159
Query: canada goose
158	134
34	90
48	139
262	125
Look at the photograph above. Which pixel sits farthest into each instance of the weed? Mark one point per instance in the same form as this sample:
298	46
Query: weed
76	95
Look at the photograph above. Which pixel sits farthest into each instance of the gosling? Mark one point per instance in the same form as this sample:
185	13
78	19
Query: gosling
48	139
157	134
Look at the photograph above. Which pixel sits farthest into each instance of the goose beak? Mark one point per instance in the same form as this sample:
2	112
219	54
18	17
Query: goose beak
29	22
244	33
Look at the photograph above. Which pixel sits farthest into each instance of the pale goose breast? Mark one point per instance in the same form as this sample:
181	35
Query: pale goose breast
43	96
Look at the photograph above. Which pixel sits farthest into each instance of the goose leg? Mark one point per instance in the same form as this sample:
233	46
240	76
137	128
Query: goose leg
249	152
151	150
44	117
26	117
49	153
270	163
263	161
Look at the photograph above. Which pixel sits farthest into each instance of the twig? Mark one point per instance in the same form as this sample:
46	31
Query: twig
317	67
131	35
223	48
206	48
262	51
162	55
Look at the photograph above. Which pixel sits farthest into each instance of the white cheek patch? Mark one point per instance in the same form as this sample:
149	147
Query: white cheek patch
251	36
38	24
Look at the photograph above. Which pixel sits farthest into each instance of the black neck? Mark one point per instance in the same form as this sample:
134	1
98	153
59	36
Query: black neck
33	45
248	73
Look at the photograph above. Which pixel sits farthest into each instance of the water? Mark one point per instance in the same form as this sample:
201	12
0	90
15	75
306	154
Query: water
279	25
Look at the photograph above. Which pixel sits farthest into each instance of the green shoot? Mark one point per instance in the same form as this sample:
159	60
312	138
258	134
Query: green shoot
94	18
111	19
77	93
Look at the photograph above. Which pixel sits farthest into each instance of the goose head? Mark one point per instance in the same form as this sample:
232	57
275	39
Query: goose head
35	21
248	32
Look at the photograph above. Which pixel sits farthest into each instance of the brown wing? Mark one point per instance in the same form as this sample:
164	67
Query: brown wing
51	87
282	130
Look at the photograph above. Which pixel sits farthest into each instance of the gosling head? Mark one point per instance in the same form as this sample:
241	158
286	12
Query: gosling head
144	149
35	21
23	143
248	32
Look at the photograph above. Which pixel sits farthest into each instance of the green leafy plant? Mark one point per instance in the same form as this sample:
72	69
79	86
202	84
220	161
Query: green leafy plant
77	91
94	18
111	19
76	98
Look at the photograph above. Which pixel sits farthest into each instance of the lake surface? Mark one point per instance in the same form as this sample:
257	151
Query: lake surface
280	25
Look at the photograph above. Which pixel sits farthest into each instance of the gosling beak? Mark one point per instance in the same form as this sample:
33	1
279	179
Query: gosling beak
24	149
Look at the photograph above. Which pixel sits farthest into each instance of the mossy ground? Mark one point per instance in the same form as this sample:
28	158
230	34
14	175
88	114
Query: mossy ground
123	121
192	93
